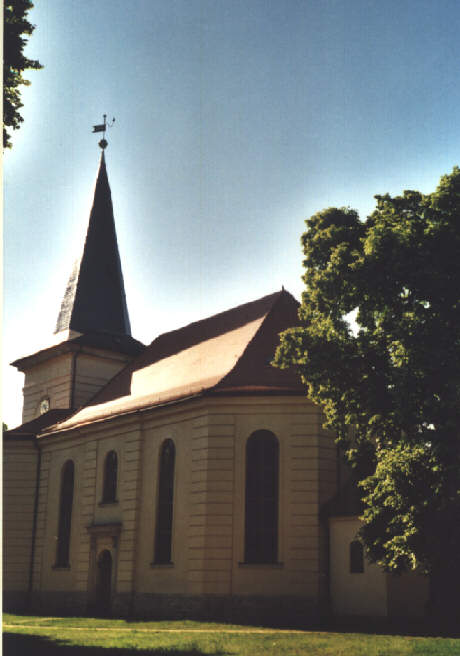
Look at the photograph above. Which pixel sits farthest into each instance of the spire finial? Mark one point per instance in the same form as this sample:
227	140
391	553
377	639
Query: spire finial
102	128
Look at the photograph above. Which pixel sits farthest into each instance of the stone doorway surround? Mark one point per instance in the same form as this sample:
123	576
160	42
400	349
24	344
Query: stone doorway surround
104	538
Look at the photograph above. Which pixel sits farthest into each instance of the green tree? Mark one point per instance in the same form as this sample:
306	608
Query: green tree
15	63
379	348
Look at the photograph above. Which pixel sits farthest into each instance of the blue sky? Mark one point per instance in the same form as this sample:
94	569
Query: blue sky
235	121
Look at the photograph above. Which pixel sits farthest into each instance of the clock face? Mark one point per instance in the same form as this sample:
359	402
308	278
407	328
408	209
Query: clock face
44	406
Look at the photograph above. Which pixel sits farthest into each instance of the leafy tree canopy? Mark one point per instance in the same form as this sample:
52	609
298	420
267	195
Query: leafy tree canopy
379	349
15	63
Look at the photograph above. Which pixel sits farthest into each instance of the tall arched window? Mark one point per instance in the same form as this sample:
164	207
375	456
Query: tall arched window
163	535
109	491
65	515
356	557
261	525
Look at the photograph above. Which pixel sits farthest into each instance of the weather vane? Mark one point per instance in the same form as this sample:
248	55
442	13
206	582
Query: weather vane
102	128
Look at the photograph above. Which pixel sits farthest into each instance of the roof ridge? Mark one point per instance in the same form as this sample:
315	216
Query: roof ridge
219	314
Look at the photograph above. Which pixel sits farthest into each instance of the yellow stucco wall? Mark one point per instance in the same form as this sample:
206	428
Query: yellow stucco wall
373	593
69	379
93	369
210	437
50	379
208	523
20	458
353	594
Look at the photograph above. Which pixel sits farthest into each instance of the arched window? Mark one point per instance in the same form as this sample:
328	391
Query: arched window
109	491
163	535
356	557
261	525
65	515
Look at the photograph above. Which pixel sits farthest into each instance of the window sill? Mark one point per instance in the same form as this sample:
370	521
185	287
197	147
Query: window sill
262	565
61	568
161	565
108	503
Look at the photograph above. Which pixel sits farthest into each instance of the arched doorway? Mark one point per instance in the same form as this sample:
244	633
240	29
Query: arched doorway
104	583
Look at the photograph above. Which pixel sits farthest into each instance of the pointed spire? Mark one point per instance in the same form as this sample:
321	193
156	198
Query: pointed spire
95	300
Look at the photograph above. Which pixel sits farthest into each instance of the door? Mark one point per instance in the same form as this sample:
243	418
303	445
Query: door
104	583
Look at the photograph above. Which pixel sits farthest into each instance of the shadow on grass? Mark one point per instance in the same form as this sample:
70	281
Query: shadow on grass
364	625
19	644
408	628
368	626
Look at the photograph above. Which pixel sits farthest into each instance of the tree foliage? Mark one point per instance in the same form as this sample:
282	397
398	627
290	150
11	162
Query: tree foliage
379	349
15	63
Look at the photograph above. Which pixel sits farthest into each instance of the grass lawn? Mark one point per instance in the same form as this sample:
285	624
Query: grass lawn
26	635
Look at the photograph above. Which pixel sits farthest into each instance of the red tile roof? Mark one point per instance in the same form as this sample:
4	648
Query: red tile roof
227	353
37	425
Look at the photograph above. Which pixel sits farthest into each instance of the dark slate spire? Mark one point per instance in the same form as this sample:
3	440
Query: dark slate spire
95	301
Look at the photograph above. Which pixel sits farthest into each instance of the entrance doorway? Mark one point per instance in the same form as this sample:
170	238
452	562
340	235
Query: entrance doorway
104	583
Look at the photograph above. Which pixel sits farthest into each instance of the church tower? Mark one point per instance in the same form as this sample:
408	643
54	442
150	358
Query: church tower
92	340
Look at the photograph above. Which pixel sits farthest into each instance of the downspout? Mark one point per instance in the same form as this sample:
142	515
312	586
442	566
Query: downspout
34	526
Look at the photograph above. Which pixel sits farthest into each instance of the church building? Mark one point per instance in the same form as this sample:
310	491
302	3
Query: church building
188	478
